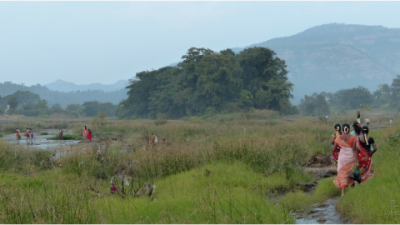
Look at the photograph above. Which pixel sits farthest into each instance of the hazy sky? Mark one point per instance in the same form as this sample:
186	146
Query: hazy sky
87	42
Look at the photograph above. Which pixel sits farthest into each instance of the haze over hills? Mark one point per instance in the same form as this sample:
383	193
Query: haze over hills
63	86
335	56
326	58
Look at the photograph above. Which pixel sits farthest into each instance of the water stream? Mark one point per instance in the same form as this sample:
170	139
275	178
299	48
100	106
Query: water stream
324	213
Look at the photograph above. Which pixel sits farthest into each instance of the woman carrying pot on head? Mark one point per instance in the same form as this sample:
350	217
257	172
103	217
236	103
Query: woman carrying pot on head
364	146
337	133
347	158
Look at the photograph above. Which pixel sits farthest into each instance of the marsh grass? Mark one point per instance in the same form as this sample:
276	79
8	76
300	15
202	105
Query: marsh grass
66	137
231	193
247	159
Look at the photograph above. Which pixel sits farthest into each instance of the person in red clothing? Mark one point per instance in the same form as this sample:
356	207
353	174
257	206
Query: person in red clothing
89	136
113	188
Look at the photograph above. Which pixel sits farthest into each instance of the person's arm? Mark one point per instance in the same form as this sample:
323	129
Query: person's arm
335	147
355	150
333	140
375	148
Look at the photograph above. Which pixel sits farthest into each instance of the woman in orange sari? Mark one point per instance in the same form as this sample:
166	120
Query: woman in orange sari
347	158
337	133
364	144
84	133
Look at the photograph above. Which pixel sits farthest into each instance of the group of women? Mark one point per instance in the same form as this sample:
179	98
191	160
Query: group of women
351	150
86	134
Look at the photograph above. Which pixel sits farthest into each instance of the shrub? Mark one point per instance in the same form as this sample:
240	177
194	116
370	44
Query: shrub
161	119
65	137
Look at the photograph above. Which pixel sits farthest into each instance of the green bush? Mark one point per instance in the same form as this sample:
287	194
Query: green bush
161	119
1	135
65	137
44	133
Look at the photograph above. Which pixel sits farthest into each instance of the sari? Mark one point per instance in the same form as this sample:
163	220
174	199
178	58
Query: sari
84	133
346	162
365	162
89	136
335	153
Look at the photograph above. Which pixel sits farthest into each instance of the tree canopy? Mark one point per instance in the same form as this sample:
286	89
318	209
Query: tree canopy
211	81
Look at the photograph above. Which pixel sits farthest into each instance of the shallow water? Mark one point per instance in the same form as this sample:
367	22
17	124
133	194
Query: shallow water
40	141
322	214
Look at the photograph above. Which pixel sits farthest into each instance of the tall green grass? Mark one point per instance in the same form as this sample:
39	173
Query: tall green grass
378	199
248	159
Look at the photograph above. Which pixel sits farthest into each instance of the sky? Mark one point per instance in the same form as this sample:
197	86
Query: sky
104	42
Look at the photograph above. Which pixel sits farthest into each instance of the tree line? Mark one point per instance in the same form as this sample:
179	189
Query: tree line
207	82
386	96
64	98
30	104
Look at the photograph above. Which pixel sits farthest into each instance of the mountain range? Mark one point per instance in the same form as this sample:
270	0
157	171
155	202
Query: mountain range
331	57
63	86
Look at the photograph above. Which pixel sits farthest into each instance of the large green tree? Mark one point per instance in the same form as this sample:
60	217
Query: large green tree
265	76
210	81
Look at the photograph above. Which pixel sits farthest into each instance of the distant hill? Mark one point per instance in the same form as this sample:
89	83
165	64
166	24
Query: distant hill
65	98
63	86
336	56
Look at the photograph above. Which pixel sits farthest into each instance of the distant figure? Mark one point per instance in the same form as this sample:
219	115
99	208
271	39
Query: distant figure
391	120
89	135
358	117
152	139
31	134
367	122
60	134
313	118
164	141
113	188
18	135
84	133
27	136
326	118
357	130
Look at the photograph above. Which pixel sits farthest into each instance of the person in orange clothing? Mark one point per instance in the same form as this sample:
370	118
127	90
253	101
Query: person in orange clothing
347	158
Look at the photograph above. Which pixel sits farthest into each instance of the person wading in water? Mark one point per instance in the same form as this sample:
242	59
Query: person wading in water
18	135
60	135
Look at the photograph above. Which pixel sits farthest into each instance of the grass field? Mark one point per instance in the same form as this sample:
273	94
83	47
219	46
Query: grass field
220	169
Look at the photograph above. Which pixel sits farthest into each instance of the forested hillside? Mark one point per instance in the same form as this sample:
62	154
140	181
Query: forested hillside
387	97
207	82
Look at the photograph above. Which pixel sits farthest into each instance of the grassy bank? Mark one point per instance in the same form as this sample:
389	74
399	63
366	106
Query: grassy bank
378	199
